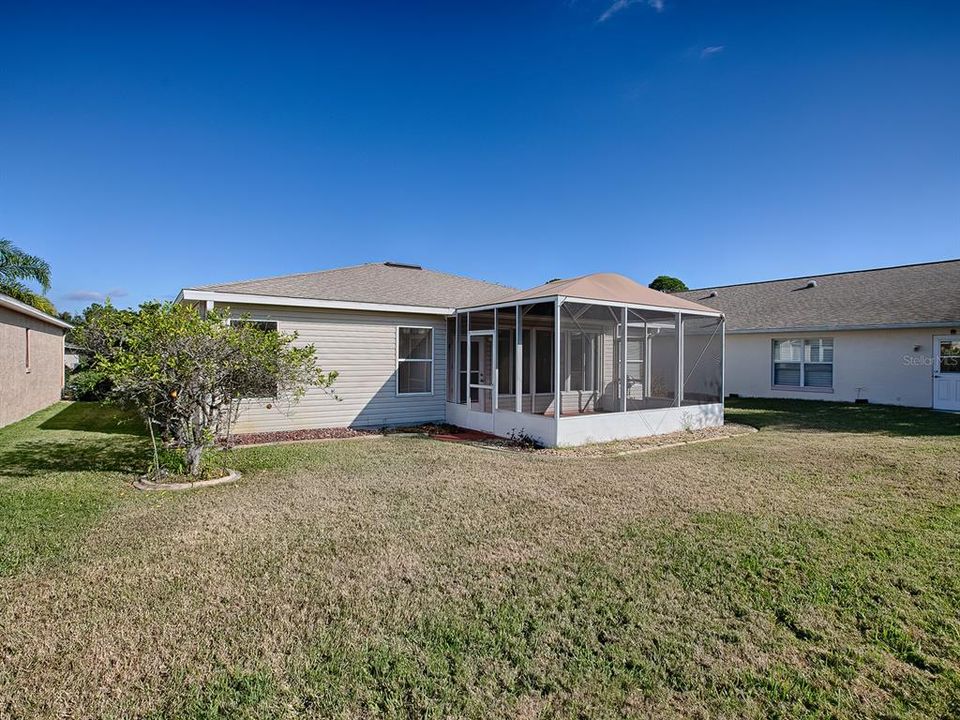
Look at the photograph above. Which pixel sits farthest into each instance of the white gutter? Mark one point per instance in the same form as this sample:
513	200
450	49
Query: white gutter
840	328
24	309
280	300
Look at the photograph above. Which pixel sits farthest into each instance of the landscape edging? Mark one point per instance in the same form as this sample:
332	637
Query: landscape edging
149	485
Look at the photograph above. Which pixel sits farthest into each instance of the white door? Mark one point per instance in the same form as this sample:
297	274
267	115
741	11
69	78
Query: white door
946	372
480	371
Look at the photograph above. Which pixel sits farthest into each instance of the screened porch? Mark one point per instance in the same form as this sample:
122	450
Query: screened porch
542	365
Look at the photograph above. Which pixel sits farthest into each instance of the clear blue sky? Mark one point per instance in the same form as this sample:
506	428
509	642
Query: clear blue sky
144	149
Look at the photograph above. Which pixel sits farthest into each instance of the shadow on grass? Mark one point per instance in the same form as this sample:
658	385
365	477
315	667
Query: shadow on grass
841	417
36	457
95	417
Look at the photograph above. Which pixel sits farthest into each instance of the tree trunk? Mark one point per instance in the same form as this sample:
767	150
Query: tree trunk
193	459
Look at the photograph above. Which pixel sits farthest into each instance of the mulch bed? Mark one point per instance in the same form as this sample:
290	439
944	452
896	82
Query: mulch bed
451	433
294	435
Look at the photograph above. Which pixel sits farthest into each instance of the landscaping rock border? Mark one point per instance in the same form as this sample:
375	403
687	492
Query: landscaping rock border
230	477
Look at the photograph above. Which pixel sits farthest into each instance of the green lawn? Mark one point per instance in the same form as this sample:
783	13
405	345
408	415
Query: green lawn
811	569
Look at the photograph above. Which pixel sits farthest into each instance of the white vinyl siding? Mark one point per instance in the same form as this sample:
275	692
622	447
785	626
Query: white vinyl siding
806	363
362	347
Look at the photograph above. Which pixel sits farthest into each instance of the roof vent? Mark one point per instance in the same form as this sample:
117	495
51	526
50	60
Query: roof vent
408	266
712	293
553	280
811	284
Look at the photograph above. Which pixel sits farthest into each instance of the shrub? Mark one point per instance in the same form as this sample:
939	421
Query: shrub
87	384
186	372
522	440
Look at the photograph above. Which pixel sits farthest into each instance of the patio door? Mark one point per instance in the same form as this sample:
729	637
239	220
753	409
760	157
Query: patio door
480	371
946	372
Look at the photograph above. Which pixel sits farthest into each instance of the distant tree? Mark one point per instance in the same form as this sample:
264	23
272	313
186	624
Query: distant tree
187	373
80	320
668	284
16	267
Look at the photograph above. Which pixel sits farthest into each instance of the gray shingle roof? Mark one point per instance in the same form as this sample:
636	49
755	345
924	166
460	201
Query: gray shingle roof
925	294
381	283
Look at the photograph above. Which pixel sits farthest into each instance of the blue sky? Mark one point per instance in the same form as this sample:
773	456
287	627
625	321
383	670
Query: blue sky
147	148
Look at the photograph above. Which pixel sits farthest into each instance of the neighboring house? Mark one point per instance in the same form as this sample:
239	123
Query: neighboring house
73	355
414	345
889	335
31	359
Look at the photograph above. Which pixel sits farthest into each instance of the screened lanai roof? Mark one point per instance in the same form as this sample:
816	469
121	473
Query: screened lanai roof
606	287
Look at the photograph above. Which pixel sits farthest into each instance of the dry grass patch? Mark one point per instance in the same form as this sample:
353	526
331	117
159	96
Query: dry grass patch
796	571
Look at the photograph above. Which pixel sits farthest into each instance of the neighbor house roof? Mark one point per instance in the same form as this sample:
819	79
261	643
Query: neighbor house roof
926	294
377	284
21	307
606	287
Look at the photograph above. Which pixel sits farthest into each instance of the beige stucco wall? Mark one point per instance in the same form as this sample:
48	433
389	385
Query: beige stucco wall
362	347
23	393
882	364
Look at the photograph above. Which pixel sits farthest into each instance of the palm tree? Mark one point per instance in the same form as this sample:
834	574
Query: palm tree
16	266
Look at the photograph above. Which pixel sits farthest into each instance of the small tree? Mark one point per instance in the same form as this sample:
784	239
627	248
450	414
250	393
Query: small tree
668	284
186	373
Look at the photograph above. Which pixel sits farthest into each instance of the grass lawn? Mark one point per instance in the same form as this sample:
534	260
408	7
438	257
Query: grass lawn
811	569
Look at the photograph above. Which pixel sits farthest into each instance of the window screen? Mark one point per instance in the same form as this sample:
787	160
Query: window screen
803	363
414	360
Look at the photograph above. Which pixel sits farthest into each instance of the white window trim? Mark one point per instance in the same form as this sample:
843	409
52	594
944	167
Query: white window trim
396	354
802	363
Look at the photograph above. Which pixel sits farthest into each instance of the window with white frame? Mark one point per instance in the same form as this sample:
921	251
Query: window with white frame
581	350
414	360
806	363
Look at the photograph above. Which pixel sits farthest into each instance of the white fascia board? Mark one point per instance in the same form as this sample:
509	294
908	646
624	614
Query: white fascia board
844	328
24	309
282	301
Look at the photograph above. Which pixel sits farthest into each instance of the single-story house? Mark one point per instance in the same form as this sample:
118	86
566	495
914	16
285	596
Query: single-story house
593	358
31	359
889	335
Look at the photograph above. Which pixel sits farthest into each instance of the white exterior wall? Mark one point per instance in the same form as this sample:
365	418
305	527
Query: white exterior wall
604	427
881	362
362	347
591	428
504	422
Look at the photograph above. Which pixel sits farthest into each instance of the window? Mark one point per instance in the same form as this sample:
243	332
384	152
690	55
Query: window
414	360
581	360
26	356
635	353
803	363
506	375
263	387
544	361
